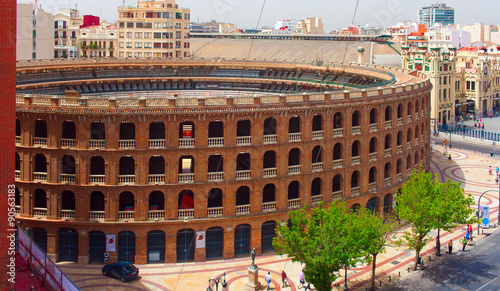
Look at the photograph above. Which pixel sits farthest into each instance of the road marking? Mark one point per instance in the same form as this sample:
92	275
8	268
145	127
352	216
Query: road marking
487	284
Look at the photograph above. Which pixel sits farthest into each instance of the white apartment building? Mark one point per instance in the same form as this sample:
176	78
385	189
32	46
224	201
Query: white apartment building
289	25
66	29
35	33
98	41
153	29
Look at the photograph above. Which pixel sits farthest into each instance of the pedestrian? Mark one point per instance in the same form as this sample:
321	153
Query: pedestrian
268	279
283	278
308	287
464	243
106	256
469	230
498	170
489	169
475	125
450	247
302	281
483	125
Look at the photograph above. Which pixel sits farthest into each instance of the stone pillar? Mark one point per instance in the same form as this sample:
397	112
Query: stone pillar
361	55
253	283
83	250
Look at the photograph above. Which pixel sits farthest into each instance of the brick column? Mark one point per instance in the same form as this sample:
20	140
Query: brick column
83	249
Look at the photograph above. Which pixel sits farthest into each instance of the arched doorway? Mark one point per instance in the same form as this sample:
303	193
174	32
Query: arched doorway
185	245
126	246
371	205
97	246
242	239
215	242
156	246
267	235
68	245
40	237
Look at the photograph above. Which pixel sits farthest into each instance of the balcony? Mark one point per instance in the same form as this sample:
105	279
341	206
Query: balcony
126	144
372	187
215	177
416	142
408	145
387	182
338	164
97	179
400	122
317	167
40	141
18	140
97	215
355	191
156	179
356	130
68	178
416	116
270	172
185	213
39	212
294	137
17	209
372	157
126	215
338	132
356	160
408	173
67	214
388	124
156	214
294	203
270	139
315	200
186	178
269	206
156	143
215	142
293	170
317	135
68	143
242	209
243	140
126	179
18	174
387	153
399	149
399	177
214	212
97	143
373	127
186	142
336	195
243	175
408	119
40	176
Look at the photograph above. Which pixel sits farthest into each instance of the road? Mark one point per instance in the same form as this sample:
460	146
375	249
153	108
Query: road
478	268
466	145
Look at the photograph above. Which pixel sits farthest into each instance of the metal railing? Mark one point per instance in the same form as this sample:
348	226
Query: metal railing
294	137
215	141
186	142
214	211
270	172
157	143
243	175
270	138
243	140
294	203
269	206
242	209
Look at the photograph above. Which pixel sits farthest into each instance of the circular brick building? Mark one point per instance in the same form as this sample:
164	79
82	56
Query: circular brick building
157	155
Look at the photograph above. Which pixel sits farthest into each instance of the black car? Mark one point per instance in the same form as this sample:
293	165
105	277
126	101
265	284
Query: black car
125	271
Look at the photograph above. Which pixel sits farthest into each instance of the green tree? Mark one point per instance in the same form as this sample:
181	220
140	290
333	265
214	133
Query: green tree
324	240
426	204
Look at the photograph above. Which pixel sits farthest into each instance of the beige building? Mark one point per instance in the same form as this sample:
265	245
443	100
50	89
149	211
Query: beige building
35	33
312	25
153	29
98	41
67	26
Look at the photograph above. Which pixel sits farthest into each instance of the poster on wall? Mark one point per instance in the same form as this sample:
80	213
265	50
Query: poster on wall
200	239
110	243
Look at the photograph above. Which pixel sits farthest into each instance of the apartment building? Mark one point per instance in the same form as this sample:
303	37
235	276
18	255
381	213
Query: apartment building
153	29
312	25
66	28
436	13
35	33
98	41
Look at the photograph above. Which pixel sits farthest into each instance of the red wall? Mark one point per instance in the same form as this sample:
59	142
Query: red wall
89	20
7	126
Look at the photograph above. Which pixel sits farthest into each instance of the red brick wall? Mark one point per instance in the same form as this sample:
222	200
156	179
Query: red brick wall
7	124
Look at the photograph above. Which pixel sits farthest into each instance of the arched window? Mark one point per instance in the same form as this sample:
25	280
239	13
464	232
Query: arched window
269	160
40	199
156	201
317	124
337	152
316	186
40	163
243	132
337	121
126	201
294	191
68	130
355	179
242	199
214	199
355	149
356	118
97	131
373	145
372	176
40	128
127	131
269	194
157	134
67	201
373	116
96	201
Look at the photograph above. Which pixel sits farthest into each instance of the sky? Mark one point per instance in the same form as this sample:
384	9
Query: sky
335	14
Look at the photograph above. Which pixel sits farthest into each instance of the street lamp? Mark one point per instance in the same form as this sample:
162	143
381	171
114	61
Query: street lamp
217	281
479	203
345	280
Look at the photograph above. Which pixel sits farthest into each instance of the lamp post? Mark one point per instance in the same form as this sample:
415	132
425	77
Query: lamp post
345	280
217	281
479	203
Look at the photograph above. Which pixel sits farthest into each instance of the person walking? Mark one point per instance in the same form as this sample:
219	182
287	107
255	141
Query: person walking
283	278
302	281
489	169
308	287
268	279
464	243
450	247
469	230
498	170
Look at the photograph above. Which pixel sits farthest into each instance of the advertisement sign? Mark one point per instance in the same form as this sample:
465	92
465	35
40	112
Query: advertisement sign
110	243
200	239
484	215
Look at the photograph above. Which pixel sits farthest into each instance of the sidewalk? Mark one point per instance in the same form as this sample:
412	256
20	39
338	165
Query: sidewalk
468	168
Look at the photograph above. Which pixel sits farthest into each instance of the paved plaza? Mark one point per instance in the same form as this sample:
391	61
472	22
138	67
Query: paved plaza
466	167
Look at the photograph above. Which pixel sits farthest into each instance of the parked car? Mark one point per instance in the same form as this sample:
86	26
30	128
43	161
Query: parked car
125	271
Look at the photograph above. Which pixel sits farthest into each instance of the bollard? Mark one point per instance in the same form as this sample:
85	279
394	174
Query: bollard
408	269
389	278
399	274
380	283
